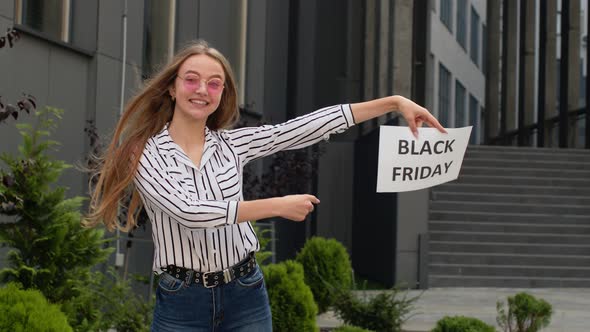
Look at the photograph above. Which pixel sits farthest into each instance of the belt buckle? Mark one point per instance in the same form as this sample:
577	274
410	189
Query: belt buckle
206	278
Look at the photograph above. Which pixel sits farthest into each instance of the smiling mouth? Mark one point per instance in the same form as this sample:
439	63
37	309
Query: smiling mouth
198	102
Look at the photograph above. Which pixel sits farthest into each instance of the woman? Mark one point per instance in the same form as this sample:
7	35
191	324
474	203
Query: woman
170	151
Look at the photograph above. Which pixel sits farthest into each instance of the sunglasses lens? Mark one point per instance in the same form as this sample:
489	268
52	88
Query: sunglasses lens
214	85
193	83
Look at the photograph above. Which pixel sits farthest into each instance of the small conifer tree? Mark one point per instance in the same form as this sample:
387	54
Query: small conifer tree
49	249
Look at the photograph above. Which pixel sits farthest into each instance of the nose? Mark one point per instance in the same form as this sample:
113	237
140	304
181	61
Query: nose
201	86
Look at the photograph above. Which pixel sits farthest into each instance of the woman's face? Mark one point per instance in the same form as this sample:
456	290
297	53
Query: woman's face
198	87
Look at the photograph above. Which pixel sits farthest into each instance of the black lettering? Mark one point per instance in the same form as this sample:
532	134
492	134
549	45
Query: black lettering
414	152
437	170
424	175
449	146
426	148
403	147
447	166
396	172
436	147
407	173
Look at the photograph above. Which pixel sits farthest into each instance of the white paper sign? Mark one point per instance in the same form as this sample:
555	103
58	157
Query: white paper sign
407	163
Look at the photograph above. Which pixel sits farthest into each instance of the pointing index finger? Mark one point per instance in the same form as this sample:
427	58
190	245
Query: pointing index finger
313	199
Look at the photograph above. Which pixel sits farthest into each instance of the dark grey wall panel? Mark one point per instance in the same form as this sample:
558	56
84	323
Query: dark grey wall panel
256	56
107	94
275	61
187	26
67	91
306	86
336	191
56	77
26	69
7	9
85	24
109	27
218	24
331	65
108	86
135	22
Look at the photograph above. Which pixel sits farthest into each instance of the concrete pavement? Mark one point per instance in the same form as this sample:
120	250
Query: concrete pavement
571	307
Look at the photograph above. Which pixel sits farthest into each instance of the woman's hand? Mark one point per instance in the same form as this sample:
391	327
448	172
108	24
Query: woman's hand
416	115
296	207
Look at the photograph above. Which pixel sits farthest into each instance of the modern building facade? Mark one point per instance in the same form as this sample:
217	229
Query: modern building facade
457	63
533	97
290	57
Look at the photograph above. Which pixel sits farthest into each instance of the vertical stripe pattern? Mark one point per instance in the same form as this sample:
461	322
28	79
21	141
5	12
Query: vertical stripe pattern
193	209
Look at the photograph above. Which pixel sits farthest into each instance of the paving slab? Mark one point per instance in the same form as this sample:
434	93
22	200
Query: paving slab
571	307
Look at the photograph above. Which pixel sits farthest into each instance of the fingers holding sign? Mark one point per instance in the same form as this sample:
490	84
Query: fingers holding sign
416	115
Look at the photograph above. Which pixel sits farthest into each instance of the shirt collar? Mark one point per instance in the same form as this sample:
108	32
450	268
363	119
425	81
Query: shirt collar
167	147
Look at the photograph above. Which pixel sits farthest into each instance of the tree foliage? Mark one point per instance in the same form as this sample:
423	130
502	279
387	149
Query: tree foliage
28	310
50	250
327	266
291	300
386	311
525	313
462	324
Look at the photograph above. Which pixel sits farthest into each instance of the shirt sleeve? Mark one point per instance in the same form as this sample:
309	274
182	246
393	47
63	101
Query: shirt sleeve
159	189
257	142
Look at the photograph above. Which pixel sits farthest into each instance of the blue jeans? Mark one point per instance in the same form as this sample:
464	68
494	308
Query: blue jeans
241	305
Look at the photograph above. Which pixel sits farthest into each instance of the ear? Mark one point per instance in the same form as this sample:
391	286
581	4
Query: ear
172	92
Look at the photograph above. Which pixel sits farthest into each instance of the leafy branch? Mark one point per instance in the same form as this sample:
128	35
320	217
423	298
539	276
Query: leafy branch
11	36
26	104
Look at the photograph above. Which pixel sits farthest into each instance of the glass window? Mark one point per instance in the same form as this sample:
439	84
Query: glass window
446	13
51	17
474	37
462	23
482	125
484	49
459	104
473	119
444	92
159	33
582	84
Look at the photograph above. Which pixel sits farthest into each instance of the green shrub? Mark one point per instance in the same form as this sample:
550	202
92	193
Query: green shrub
525	313
327	267
112	303
28	310
264	255
387	311
462	324
291	300
49	249
348	328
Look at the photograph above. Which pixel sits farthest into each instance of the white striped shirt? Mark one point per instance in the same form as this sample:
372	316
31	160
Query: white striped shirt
193	210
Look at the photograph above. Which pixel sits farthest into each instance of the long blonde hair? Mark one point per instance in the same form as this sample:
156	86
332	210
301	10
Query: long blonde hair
145	115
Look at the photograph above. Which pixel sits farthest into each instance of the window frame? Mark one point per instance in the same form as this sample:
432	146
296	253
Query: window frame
65	19
461	102
171	37
474	139
461	35
444	115
474	36
446	14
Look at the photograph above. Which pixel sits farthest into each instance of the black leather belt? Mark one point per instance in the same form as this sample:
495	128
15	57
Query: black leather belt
213	279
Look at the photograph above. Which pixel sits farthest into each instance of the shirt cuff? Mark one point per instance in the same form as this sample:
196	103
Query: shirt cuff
347	113
232	213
